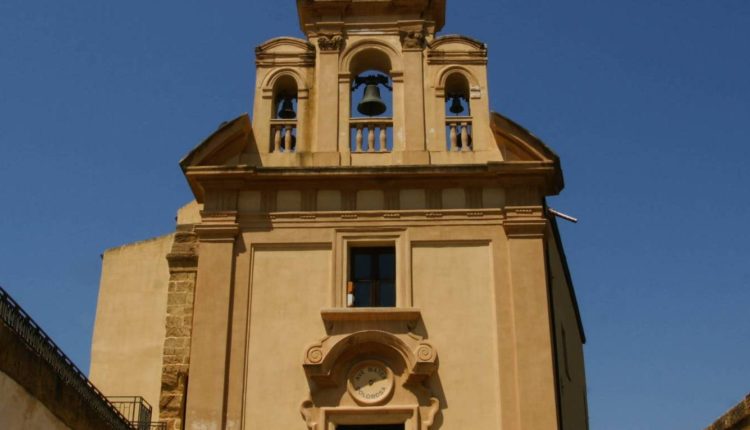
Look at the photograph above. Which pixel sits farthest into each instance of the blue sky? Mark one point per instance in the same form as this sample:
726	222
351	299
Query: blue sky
646	102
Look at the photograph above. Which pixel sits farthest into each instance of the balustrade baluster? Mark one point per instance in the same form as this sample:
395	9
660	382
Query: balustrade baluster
370	137
383	137
276	139
453	140
358	139
465	137
287	138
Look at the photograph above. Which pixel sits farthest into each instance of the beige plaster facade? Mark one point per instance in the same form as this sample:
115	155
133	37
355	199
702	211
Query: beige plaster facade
131	312
484	332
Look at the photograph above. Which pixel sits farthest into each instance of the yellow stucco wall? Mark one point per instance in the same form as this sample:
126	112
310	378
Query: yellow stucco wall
128	341
452	301
284	316
568	339
20	410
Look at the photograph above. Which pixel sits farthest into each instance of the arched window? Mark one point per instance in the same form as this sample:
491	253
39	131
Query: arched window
371	108
457	113
284	115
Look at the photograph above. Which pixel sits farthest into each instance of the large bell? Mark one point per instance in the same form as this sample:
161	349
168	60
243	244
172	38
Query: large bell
456	107
371	104
287	110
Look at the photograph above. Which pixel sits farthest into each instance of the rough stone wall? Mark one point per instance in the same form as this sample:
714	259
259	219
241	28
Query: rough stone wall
183	263
737	418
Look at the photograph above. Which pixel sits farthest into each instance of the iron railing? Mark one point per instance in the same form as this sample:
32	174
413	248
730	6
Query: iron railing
135	408
19	322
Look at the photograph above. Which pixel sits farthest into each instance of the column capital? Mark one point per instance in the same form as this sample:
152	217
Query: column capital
525	222
218	226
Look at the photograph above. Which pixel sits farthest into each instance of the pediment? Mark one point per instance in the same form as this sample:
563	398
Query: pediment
518	144
223	146
457	43
285	45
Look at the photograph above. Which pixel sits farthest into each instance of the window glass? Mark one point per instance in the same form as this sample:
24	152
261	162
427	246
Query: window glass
373	272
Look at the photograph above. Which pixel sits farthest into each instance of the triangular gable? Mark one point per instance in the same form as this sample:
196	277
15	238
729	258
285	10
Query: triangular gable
518	144
227	142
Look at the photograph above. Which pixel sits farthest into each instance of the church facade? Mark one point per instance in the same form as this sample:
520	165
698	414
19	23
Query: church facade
371	249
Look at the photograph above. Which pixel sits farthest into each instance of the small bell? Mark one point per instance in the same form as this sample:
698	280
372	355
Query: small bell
287	109
456	107
371	104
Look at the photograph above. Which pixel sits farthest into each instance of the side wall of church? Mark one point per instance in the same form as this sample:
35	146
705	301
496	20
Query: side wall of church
569	342
128	341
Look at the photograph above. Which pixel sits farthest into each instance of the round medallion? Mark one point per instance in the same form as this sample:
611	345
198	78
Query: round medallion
370	382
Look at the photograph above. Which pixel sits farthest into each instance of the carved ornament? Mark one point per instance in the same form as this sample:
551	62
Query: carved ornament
330	42
412	39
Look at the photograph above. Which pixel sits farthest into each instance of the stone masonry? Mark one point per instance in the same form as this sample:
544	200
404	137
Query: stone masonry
183	263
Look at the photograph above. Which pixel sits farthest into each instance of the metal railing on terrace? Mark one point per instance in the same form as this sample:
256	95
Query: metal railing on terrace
20	323
138	411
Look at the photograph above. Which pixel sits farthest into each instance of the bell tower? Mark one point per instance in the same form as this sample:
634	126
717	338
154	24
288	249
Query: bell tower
389	50
372	248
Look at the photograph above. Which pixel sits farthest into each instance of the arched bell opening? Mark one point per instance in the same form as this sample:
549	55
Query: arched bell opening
371	102
458	117
284	115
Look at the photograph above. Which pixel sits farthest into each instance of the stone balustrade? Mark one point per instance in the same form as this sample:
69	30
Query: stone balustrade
366	138
283	135
459	133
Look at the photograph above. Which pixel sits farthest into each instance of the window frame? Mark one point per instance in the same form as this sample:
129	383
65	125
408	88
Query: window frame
350	238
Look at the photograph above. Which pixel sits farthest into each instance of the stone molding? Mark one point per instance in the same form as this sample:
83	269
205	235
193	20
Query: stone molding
327	362
218	226
525	222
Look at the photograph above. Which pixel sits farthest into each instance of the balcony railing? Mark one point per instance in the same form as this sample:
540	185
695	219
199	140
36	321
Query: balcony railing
20	323
459	134
371	134
138	411
283	135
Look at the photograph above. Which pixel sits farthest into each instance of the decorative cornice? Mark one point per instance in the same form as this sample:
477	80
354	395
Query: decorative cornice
320	358
370	314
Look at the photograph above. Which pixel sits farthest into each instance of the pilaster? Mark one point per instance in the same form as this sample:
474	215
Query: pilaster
327	101
212	315
525	228
413	40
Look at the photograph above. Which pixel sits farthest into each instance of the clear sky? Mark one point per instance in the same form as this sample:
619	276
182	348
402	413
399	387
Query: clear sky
647	102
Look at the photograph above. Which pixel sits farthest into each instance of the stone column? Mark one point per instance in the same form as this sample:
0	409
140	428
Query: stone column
536	400
212	310
183	261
